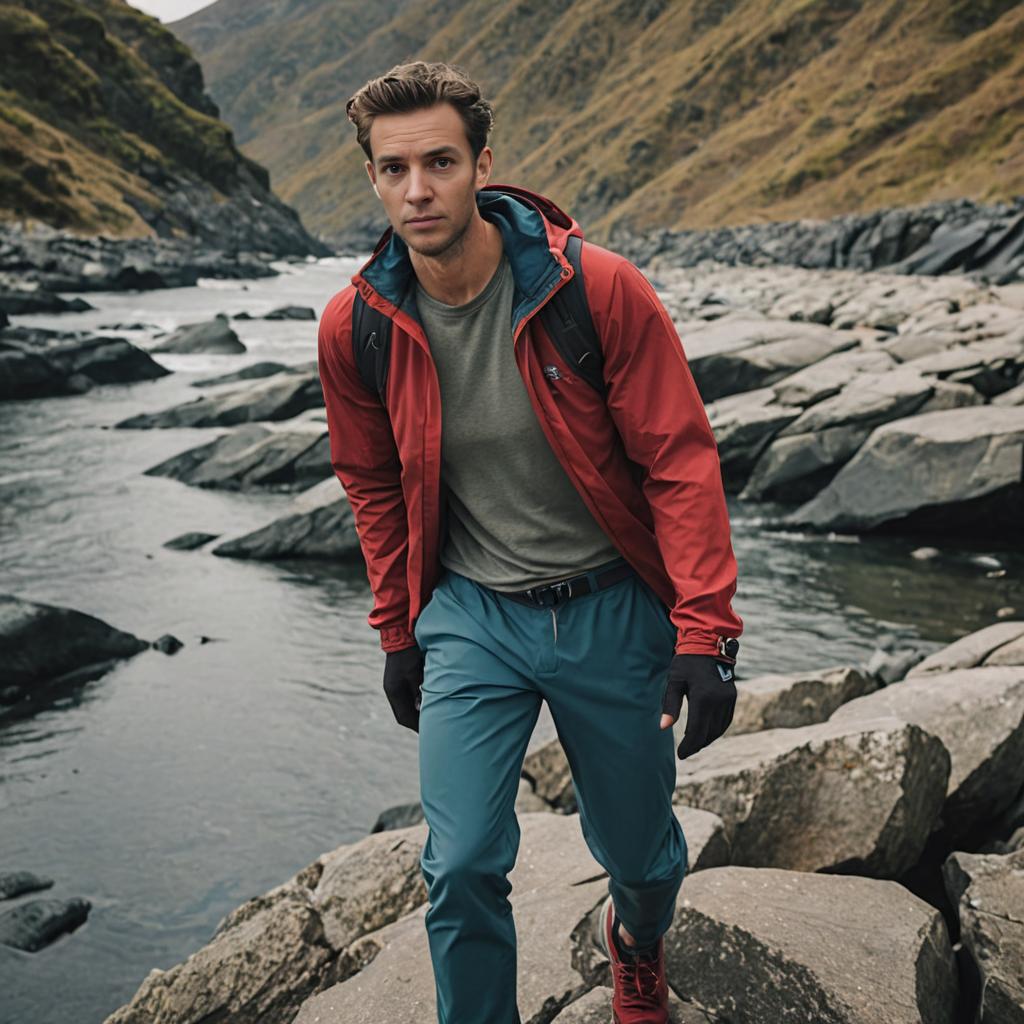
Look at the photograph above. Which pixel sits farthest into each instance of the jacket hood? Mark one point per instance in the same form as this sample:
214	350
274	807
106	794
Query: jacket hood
534	232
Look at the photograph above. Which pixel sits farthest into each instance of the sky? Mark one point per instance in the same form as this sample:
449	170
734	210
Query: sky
169	10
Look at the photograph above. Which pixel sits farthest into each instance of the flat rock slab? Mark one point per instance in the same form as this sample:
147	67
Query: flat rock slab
16	883
32	925
840	796
988	892
213	335
755	945
971	650
322	526
254	371
930	471
798	698
276	398
978	714
43	644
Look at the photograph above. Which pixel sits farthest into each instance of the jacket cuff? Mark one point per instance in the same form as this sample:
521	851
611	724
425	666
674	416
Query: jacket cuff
700	643
396	638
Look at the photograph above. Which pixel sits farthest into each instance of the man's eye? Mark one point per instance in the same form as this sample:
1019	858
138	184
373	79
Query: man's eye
445	160
389	166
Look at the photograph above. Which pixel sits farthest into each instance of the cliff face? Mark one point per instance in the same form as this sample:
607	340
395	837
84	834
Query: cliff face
643	113
105	127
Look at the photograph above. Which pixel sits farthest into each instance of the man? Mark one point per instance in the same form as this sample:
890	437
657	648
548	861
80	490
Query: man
526	538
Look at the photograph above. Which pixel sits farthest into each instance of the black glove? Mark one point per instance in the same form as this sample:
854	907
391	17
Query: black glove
709	685
403	677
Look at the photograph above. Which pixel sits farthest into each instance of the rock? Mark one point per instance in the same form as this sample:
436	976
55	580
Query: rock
978	714
16	883
971	650
991	366
21	301
957	471
840	796
596	1008
277	398
254	371
291	313
399	816
824	436
988	893
829	376
754	945
39	363
168	644
189	541
1009	654
799	698
321	527
555	890
44	646
32	925
209	336
1015	396
254	456
889	666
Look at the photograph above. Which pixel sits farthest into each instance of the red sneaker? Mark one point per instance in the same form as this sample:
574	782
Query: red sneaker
641	990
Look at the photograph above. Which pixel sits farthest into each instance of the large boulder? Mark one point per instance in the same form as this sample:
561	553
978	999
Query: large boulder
977	648
44	646
321	526
279	397
213	335
34	924
956	471
754	945
988	893
978	714
787	701
254	455
852	797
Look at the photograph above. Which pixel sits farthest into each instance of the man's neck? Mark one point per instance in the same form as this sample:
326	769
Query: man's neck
460	274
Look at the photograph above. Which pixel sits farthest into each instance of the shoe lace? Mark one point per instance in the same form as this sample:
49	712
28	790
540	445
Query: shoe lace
632	979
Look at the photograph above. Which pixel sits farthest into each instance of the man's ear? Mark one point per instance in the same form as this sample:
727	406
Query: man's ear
484	164
372	177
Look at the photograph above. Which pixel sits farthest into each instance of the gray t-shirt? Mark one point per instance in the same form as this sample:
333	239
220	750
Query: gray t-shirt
515	519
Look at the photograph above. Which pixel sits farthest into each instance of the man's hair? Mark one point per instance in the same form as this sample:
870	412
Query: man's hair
416	86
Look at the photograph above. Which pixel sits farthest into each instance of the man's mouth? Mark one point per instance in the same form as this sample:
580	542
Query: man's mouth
422	220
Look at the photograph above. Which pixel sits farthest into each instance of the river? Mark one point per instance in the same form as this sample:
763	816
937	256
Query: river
176	787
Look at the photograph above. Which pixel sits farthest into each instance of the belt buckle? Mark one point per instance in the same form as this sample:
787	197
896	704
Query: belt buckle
557	588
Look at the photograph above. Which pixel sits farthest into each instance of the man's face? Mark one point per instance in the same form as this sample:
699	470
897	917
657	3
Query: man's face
426	176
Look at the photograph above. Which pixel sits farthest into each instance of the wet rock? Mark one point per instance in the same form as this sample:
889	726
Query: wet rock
956	471
321	526
254	455
291	313
22	301
840	796
277	398
988	893
36	923
795	699
978	714
16	883
754	945
190	541
209	336
38	363
254	371
971	650
168	644
43	646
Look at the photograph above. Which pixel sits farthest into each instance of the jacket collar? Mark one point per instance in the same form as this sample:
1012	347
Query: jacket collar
534	232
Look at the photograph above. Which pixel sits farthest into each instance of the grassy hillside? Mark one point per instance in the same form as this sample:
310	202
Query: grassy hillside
647	112
104	124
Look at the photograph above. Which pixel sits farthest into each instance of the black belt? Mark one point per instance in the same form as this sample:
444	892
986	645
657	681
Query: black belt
560	591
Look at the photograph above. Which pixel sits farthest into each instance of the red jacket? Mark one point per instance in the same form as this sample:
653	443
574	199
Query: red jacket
644	459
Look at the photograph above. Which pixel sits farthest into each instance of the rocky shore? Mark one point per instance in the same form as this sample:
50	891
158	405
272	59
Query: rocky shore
856	854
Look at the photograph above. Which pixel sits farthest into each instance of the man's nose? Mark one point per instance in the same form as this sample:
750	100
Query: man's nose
419	186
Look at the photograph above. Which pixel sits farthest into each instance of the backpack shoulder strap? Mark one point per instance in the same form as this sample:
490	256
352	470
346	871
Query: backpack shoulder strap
371	345
568	322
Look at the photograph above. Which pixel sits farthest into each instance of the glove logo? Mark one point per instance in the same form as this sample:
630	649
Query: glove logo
725	671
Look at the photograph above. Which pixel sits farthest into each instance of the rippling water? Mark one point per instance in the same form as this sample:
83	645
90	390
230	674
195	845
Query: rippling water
175	787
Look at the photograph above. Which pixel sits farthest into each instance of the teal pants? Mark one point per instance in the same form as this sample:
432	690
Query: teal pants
601	662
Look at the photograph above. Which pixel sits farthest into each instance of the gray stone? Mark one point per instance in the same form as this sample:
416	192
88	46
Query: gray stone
978	714
795	699
189	541
840	796
36	923
942	471
758	945
213	335
988	893
254	371
596	1008
17	883
829	376
971	650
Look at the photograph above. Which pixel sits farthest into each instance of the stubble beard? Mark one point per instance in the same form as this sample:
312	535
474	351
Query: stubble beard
447	249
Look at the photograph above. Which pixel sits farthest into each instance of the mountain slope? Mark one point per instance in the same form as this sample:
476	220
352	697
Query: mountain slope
647	113
104	126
